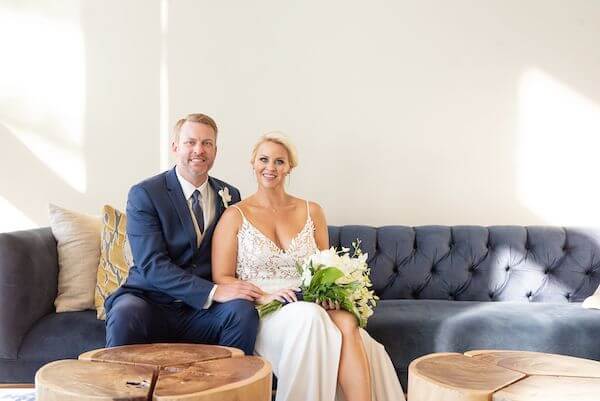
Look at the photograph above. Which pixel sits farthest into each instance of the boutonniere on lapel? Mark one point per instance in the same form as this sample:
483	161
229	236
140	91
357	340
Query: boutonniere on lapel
225	196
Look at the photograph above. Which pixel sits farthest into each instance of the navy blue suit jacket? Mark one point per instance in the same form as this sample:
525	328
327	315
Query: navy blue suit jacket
168	265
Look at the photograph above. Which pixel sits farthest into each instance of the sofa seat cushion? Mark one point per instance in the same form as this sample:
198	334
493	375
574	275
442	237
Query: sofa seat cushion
411	328
63	336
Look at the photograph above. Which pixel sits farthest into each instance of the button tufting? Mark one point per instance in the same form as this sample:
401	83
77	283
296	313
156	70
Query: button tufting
568	296
433	270
547	270
588	272
529	294
471	269
507	268
491	295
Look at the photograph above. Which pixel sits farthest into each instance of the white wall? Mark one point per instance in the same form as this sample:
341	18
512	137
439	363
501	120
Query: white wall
79	105
404	112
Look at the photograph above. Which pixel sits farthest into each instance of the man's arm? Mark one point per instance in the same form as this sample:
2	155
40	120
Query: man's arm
150	254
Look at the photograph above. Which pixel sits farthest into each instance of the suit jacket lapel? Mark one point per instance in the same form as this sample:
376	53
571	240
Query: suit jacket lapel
181	206
219	207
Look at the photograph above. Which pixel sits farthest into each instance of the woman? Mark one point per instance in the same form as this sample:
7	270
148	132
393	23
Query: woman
313	349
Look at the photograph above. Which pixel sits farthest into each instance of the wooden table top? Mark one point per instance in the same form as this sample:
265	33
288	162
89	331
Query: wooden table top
159	372
501	375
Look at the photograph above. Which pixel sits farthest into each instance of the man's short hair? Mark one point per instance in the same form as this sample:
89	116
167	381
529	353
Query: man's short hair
195	118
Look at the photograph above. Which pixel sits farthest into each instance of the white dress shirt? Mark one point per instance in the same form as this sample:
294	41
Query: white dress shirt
207	195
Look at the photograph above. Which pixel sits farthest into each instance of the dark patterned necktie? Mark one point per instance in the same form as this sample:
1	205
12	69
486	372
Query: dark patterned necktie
197	209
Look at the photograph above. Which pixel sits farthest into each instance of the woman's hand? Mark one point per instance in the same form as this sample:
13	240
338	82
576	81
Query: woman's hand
330	305
285	296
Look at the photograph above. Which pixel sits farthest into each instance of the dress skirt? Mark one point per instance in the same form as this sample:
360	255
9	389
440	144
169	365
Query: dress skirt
303	345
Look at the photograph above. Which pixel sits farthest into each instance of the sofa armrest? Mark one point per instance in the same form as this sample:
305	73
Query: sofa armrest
28	284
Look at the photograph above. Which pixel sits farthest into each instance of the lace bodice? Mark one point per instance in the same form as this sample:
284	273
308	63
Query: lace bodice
262	262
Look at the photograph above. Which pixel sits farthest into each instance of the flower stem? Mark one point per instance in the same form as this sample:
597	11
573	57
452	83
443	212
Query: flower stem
266	309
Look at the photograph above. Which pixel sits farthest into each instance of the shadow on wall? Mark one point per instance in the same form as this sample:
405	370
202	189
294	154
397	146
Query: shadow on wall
558	142
32	184
417	102
42	101
67	135
499	127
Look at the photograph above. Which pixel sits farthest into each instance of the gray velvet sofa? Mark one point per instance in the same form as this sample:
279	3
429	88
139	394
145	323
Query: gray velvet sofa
442	289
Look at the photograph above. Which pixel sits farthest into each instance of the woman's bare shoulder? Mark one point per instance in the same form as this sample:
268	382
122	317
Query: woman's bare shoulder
246	203
315	208
316	211
232	216
302	202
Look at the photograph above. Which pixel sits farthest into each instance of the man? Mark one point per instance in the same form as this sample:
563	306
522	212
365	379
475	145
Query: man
168	296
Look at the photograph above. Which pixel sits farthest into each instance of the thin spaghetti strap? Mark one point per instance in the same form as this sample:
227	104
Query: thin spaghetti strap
239	210
307	210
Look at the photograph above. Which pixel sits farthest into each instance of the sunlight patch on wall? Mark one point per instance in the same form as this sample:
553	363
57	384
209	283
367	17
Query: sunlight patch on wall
65	161
558	143
42	85
12	218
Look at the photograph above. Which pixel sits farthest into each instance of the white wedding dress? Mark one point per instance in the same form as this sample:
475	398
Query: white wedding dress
300	340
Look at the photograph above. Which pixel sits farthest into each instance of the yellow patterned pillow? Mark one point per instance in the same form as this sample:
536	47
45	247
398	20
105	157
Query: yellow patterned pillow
115	257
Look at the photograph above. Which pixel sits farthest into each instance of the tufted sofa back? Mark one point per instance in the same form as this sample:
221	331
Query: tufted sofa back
475	263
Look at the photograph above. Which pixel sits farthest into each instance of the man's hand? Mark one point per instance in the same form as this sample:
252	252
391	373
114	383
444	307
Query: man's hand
237	290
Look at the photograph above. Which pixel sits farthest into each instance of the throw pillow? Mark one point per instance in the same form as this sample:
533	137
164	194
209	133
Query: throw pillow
78	246
115	257
593	301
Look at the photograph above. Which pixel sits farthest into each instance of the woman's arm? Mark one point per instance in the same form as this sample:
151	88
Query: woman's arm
322	240
224	247
224	260
318	217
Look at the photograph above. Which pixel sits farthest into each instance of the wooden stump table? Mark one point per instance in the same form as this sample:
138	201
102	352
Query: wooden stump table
158	372
503	376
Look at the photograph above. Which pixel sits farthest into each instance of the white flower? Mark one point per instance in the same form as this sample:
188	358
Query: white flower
225	196
351	289
328	257
306	277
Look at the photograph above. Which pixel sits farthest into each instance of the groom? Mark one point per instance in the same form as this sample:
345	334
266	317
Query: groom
171	217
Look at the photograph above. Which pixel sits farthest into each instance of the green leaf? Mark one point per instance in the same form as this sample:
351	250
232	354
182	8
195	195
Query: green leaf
330	274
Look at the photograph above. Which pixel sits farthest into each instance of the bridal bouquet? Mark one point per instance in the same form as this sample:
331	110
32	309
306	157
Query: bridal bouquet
336	276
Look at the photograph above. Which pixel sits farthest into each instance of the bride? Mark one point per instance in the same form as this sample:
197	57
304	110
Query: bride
317	352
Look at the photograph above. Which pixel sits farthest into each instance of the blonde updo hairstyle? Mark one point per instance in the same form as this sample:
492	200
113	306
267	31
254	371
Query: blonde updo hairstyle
278	138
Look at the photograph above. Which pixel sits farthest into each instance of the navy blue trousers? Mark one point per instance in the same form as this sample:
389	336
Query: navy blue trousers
133	319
